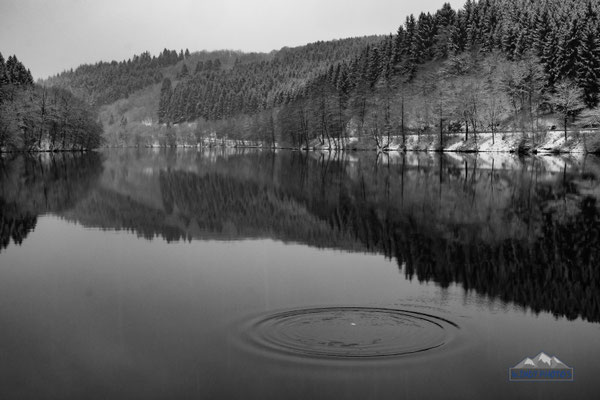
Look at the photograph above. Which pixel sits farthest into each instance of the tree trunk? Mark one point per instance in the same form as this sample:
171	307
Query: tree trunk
402	123
441	134
272	123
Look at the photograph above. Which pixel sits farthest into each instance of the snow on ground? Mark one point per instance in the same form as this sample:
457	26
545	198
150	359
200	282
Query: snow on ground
505	142
550	142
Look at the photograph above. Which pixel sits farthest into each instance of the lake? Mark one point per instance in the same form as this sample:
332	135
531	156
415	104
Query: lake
147	273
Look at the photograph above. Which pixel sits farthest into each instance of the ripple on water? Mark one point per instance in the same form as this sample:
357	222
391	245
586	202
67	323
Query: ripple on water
349	332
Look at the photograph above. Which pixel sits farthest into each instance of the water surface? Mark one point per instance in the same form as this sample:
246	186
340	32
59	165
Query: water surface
212	274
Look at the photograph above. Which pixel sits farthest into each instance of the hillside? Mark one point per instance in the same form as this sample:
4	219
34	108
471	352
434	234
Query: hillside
106	82
494	66
174	87
503	67
250	87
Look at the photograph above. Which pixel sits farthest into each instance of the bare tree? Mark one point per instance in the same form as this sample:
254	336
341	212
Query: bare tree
567	100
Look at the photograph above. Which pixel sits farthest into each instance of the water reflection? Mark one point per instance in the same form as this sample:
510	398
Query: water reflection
524	230
45	183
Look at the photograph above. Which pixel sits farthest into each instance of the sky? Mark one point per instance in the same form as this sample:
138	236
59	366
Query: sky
49	36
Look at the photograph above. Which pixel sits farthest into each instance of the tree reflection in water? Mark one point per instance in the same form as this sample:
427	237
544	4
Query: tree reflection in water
31	185
524	230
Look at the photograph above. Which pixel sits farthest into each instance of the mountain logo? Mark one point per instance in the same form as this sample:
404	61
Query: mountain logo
541	368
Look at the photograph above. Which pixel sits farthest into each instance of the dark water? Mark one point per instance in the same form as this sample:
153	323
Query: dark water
252	275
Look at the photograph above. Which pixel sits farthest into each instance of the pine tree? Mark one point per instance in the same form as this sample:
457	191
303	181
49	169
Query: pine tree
458	34
184	71
399	45
549	60
16	73
541	32
374	67
424	38
445	20
2	65
588	64
166	92
3	76
10	69
3	80
568	50
410	46
509	39
472	24
489	21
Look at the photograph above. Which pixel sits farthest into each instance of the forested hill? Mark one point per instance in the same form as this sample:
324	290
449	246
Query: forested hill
559	36
106	82
214	93
494	64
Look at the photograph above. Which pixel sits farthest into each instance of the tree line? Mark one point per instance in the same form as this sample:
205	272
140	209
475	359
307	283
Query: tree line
33	117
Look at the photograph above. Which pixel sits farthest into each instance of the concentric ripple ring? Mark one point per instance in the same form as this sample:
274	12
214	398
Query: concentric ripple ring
349	332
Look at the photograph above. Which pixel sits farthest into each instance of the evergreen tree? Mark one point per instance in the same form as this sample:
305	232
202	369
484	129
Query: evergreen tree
399	45
458	33
3	76
184	71
166	93
373	69
568	50
588	67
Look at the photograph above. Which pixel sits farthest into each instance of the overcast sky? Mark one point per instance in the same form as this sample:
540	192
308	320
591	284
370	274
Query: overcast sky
49	36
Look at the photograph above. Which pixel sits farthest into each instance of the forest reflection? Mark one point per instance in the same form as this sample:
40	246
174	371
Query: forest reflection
31	185
523	230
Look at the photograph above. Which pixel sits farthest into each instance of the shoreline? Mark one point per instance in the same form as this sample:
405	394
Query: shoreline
551	142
